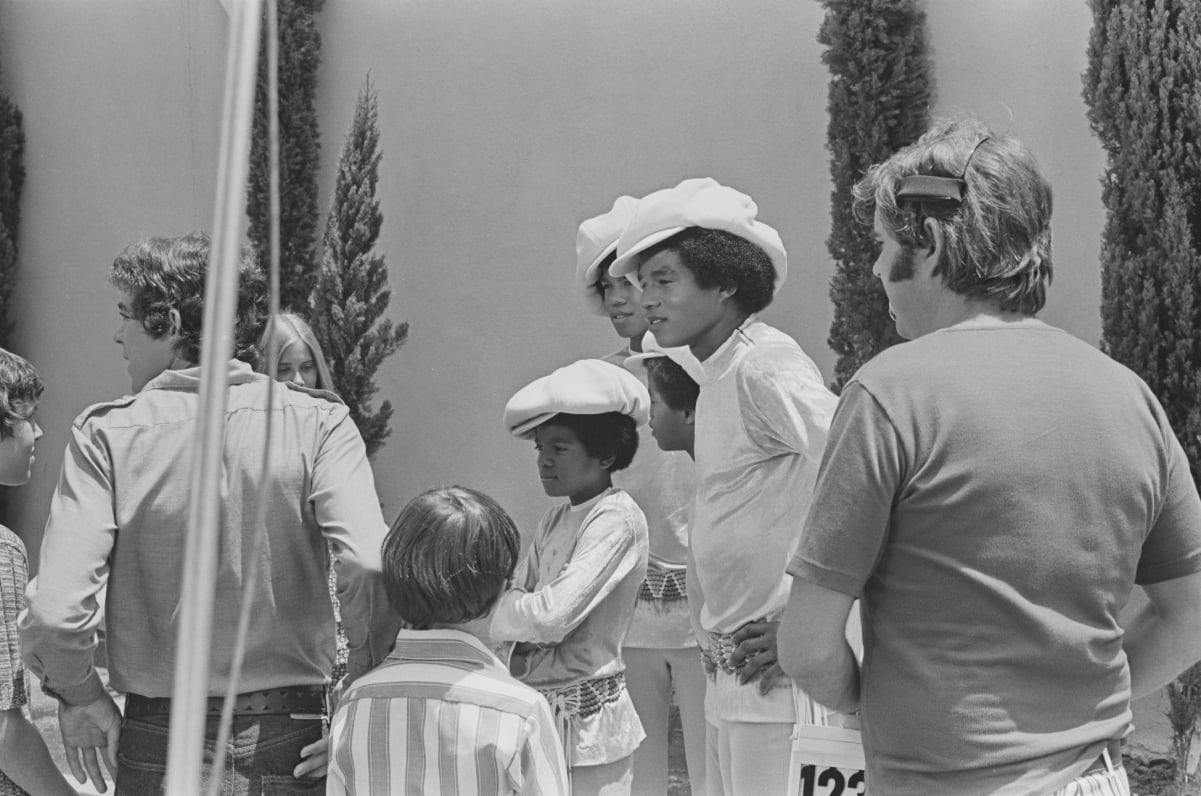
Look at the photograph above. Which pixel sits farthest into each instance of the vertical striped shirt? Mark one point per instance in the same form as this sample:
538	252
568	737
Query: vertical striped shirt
14	681
443	715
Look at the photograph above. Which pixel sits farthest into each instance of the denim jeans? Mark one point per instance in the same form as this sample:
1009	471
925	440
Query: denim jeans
262	752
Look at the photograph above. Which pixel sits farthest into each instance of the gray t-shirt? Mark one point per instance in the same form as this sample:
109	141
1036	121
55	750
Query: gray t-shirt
993	493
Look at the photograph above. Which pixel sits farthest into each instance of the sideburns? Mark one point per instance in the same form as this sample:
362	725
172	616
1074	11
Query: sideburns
902	267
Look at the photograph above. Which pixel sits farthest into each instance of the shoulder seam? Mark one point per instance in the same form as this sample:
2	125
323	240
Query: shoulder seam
93	409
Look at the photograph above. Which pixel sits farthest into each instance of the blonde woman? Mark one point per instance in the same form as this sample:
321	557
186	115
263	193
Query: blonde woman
294	355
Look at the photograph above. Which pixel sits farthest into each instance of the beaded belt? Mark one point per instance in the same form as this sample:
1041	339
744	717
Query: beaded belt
580	700
272	701
721	650
586	697
664	585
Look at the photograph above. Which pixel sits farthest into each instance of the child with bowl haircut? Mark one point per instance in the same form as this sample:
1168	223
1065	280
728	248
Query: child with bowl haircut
25	762
575	590
660	650
442	714
707	267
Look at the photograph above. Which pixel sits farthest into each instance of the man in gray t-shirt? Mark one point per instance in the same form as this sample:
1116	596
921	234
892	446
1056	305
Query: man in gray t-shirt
991	492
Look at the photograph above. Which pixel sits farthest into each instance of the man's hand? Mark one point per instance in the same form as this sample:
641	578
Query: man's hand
314	760
755	655
87	729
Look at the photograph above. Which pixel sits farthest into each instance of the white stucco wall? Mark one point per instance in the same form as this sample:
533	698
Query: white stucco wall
503	124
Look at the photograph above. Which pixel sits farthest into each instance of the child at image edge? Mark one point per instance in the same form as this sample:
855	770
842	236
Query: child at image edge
24	759
442	714
575	590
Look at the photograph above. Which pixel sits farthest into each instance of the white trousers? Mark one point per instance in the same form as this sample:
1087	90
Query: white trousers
748	758
651	677
607	779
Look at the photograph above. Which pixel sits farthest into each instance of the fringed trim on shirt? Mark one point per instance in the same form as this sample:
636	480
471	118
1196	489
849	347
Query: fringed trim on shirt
663	588
580	700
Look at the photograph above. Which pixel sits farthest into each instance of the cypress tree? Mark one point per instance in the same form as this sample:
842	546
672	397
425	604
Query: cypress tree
879	101
352	290
1143	88
299	153
12	178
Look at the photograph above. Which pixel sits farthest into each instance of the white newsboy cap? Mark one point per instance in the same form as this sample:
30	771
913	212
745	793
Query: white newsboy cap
585	387
596	240
696	202
681	355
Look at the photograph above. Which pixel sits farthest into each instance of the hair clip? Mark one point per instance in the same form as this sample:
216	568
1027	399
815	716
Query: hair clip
926	188
930	188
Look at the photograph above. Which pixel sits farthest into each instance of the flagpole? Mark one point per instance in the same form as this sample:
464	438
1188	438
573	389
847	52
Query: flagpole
189	694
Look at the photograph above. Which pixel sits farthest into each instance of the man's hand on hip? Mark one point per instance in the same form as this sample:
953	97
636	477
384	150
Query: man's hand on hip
755	655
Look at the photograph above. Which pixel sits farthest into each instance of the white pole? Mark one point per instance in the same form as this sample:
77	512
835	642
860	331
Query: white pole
190	692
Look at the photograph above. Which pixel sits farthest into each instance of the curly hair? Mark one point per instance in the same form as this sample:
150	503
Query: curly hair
678	390
161	274
720	259
610	434
20	389
997	238
448	556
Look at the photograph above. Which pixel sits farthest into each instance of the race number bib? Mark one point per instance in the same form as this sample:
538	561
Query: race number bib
816	781
826	761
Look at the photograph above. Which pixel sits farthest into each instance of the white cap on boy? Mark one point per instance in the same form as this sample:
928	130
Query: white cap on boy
696	202
596	240
586	387
681	355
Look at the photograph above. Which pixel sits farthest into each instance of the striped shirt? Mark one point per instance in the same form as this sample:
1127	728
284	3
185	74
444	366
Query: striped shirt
443	715
14	681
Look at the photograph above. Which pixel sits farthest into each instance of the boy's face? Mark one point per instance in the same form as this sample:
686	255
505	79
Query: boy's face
671	428
619	298
678	310
16	452
565	467
147	356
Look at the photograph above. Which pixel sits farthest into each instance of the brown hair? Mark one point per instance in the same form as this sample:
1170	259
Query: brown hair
448	557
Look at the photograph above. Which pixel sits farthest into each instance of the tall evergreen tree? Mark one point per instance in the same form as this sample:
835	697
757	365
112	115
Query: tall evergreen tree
299	153
1143	88
12	178
352	287
879	101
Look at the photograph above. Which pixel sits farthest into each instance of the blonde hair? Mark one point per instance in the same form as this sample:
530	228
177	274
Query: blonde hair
290	329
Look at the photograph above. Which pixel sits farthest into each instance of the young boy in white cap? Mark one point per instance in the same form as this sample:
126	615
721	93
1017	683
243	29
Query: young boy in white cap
575	589
707	267
660	650
673	388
